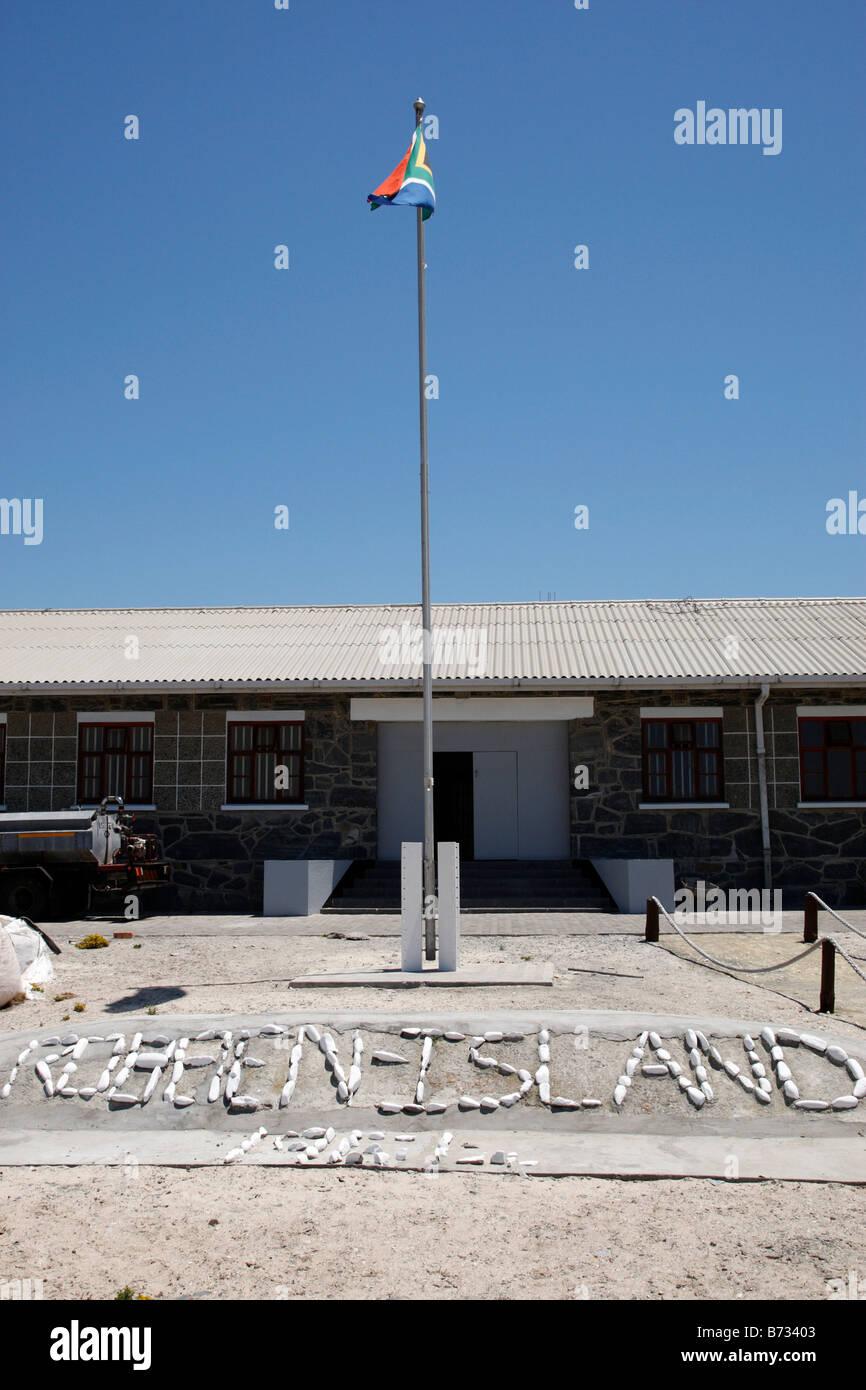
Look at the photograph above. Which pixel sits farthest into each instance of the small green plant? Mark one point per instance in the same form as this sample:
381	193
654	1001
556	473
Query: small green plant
59	998
137	946
79	1008
64	1018
37	989
91	942
152	1009
127	1293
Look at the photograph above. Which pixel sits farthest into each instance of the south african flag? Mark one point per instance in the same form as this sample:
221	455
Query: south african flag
411	184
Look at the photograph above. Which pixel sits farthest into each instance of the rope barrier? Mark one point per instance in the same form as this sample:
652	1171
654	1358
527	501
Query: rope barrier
845	956
826	908
741	969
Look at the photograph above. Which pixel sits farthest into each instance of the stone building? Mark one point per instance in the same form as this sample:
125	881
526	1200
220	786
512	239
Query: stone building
726	738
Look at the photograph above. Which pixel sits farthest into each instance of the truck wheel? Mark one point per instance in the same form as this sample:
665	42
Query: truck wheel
24	895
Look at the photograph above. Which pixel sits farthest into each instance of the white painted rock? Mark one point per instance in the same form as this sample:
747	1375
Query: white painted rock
703	1041
791	1091
696	1097
67	1091
436	1107
715	1056
506	1069
650	1069
768	1037
690	1038
419	1092
731	1068
590	1103
485	1063
758	1069
513	1037
631	1066
148	1060
764	1085
859	1089
496	1037
623	1080
695	1058
213	1089
762	1096
410	1032
413	1108
511	1099
467	1103
451	1036
272	1030
811	1105
390	1059
654	1040
79	1049
168	1093
619	1094
43	1072
4	1091
151	1086
426	1052
471	1158
663	1054
674	1068
181	1102
746	1082
48	1088
121	1098
707	1090
783	1072
563	1103
543	1052
854	1069
748	1042
389	1107
136	1042
121	1076
845	1103
243	1105
523	1075
787	1037
837	1055
69	1040
87	1092
342	1091
207	1036
250	1062
813	1043
641	1042
777	1054
684	1082
542	1076
701	1075
104	1081
489	1103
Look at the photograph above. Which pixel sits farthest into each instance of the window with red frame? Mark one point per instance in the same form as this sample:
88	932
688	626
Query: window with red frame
115	760
833	759
682	760
255	753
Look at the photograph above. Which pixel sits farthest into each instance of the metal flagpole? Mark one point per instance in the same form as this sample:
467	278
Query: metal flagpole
429	844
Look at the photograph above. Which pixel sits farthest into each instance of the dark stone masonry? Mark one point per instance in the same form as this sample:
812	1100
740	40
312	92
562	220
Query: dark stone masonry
217	855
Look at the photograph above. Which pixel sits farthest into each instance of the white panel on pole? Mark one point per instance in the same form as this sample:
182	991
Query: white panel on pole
449	904
411	924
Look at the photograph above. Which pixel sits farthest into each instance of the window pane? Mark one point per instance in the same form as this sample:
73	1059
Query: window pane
812	733
265	780
290	736
241	735
682	770
682	735
813	786
838	733
140	738
838	773
707	735
859	729
656	733
813	762
91	737
115	774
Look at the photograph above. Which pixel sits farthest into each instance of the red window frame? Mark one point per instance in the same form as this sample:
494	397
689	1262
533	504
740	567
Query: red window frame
716	751
822	751
132	756
293	758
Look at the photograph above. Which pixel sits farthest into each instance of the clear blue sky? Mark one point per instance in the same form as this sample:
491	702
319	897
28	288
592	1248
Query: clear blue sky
557	387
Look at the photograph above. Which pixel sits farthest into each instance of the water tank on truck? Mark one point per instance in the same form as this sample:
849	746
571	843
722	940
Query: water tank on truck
62	863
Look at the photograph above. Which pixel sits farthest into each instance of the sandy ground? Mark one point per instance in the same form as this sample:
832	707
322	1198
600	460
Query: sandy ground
263	1233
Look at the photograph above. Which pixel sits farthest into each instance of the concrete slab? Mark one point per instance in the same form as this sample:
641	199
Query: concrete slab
470	976
837	1160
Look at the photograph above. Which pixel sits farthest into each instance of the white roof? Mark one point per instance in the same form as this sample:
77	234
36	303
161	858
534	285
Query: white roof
492	645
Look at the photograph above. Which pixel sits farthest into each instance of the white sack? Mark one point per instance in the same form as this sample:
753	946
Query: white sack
31	953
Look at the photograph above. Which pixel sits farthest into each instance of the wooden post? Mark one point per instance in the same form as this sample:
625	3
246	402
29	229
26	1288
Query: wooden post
652	920
828	976
810	918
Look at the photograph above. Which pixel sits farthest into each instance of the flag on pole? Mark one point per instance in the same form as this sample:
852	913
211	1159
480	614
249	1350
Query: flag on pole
411	184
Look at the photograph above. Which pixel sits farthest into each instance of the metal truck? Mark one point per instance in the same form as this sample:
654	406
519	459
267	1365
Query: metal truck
63	863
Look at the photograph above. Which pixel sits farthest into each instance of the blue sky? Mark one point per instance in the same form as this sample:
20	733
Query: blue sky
558	387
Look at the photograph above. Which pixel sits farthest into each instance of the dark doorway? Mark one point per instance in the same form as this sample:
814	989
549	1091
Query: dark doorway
452	800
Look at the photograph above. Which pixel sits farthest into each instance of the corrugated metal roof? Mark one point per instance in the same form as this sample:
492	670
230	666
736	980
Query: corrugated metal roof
553	643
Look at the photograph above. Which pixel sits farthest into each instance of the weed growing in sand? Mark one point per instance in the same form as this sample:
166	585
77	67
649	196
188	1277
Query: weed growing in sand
59	998
127	1293
152	1009
91	942
79	1008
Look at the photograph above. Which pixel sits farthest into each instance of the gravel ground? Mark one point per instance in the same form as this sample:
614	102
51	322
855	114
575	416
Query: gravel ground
275	1233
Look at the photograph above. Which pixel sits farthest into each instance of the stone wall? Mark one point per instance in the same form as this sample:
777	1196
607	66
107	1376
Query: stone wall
824	850
216	855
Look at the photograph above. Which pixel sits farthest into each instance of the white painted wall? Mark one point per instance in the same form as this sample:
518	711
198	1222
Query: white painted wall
540	751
